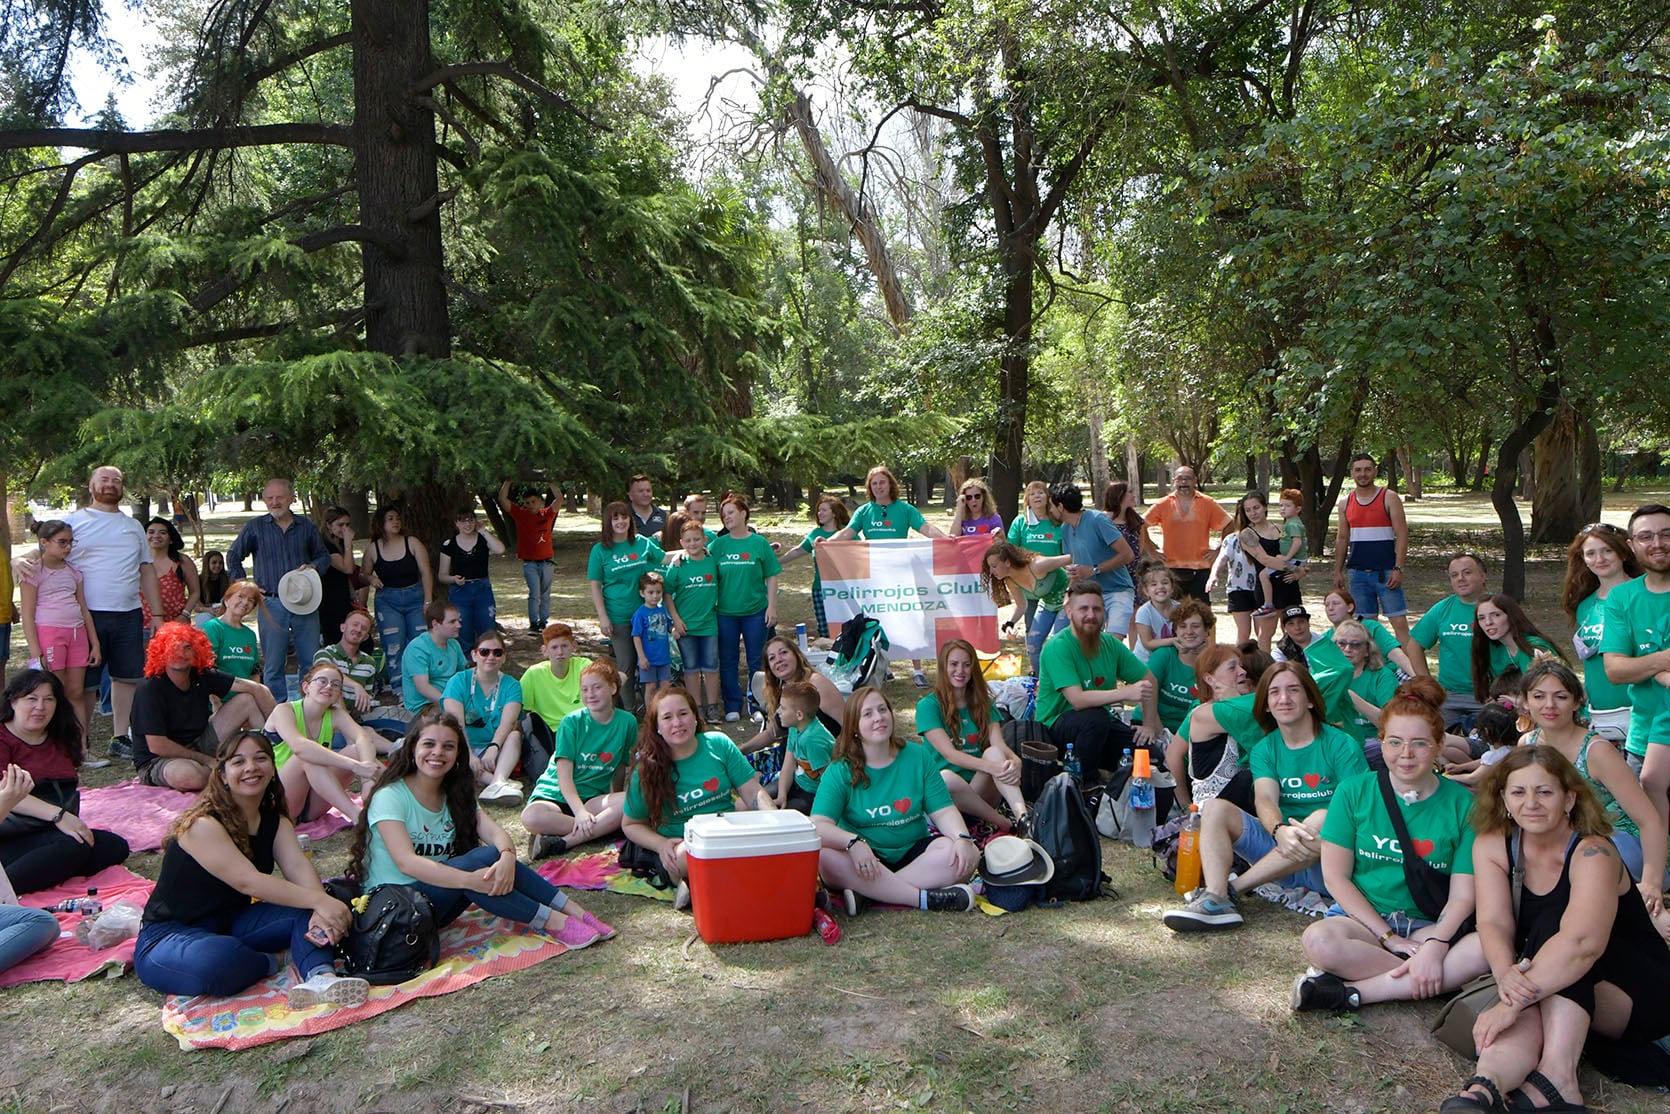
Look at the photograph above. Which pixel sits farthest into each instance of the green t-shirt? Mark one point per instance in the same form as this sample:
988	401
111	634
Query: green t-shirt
1175	682
702	784
1449	626
617	567
1050	591
809	544
876	522
1637	624
1308	776
745	564
1042	536
693	586
1604	696
1501	661
596	749
813	747
551	697
966	738
1376	686
234	647
1293	528
1383	638
1062	663
423	658
1357	820
891	811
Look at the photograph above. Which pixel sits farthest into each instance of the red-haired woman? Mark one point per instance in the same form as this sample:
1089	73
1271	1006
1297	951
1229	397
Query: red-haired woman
618	559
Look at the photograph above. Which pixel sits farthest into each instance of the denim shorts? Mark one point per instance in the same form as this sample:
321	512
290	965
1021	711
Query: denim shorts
1368	587
1254	843
1399	922
655	674
700	653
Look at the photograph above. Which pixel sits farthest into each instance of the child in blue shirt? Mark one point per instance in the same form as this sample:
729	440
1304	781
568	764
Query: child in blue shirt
652	630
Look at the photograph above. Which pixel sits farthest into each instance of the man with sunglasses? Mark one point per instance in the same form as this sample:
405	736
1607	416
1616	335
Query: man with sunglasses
431	659
1635	646
1370	547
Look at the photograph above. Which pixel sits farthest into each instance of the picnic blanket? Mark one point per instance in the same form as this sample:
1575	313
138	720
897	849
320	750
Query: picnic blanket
599	870
141	814
68	959
476	946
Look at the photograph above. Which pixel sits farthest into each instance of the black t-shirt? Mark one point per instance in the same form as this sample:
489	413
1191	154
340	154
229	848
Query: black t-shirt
471	564
187	894
160	707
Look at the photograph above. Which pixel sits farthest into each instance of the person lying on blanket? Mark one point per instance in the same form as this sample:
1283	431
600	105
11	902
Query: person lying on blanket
420	827
218	918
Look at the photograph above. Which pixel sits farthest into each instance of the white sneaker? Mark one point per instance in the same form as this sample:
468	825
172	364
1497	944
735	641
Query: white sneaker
328	990
91	763
920	678
501	792
732	717
681	896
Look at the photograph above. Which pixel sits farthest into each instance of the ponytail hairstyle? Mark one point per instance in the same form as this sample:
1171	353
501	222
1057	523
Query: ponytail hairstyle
457	788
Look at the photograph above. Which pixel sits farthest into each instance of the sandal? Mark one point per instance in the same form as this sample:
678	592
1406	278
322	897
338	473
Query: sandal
1457	1104
1557	1104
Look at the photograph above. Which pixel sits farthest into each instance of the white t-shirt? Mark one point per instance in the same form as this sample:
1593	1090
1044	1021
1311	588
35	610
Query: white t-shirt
109	548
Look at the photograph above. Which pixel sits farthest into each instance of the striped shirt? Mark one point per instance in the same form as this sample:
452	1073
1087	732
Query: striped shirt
276	550
1373	541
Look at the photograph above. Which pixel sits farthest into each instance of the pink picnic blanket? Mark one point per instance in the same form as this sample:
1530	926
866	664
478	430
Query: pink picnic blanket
141	814
474	947
68	959
599	870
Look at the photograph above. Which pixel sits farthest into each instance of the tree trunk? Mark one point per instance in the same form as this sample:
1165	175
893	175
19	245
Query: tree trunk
497	519
1133	470
1014	372
1637	462
354	500
1099	474
396	175
1263	483
1564	500
1406	457
1508	455
1483	465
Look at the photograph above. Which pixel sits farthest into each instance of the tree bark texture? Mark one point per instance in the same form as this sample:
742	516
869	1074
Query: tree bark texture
1567	465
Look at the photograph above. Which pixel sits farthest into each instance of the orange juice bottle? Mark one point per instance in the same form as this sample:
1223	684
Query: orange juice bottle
1188	852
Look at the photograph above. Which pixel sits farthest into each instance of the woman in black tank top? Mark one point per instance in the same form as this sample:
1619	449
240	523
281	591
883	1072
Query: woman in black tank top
1537	814
464	571
397	566
218	917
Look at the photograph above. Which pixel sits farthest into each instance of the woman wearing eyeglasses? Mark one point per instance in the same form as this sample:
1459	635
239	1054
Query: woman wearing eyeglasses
1598	560
488	702
1372	685
314	776
976	511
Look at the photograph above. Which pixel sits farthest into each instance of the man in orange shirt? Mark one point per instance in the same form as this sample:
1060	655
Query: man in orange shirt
1187	521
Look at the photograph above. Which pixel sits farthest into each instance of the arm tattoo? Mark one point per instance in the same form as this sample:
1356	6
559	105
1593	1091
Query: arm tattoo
1591	852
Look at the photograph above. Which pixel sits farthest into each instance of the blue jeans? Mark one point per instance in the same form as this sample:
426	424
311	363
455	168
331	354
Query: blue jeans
1254	843
538	574
521	904
194	959
1040	624
1368	588
278	629
399	620
23	932
750	629
477	610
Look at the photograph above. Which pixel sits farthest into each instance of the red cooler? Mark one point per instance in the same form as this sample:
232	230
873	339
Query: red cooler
753	875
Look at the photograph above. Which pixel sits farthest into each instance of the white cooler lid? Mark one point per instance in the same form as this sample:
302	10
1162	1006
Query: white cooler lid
737	835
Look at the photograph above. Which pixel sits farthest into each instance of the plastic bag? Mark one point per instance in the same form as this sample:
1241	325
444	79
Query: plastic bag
117	923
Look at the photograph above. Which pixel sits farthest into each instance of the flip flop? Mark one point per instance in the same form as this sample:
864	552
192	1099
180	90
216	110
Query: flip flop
1557	1104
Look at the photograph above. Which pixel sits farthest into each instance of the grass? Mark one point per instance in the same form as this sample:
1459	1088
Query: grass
1090	1007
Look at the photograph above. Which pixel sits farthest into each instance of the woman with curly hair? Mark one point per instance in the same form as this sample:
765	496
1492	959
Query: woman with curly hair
421	827
785	664
680	771
177	583
176	729
1012	574
976	510
219	919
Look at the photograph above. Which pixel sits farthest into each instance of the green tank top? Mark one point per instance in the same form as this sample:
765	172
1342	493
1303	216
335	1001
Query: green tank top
281	749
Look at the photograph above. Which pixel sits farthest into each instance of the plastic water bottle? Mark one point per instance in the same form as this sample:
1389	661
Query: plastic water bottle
800	635
1188	852
1071	765
1125	761
1142	800
86	906
824	925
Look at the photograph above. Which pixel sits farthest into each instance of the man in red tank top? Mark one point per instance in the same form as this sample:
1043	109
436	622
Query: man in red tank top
1372	543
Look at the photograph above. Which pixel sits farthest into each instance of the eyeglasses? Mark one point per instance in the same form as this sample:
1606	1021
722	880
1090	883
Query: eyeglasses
327	683
1647	537
489	652
1350	644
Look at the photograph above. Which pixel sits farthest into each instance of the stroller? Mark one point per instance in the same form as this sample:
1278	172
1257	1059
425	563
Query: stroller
859	656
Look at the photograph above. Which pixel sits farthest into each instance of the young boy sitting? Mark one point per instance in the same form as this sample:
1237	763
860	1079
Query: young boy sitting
808	749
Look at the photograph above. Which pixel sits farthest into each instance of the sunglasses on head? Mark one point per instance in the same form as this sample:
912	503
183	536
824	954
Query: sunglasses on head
1602	528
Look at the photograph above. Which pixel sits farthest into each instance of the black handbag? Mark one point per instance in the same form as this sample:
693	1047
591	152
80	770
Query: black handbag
394	938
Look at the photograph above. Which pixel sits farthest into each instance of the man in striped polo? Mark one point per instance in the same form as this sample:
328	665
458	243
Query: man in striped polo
1372	543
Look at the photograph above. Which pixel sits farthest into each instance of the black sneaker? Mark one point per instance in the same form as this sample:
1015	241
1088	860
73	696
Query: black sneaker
121	746
1324	992
544	846
951	899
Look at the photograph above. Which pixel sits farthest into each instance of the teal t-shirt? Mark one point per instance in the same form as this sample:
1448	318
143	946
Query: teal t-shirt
1307	777
235	648
1050	591
1604	696
702	783
433	833
809	544
1638	623
617	567
1175	682
891	811
1449	626
597	750
1376	686
813	747
425	659
879	522
1358	821
966	738
1062	663
482	709
745	564
693	586
1042	536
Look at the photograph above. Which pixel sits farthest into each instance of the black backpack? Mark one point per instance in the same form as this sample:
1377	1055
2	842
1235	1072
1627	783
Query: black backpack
395	939
1061	823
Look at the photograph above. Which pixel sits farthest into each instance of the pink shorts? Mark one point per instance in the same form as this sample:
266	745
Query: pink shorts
63	647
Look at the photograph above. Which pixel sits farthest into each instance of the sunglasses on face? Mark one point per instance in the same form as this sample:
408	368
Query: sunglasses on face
490	652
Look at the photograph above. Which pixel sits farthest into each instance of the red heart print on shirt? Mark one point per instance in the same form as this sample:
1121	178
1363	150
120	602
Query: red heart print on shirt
606	756
1423	847
711	785
902	805
1097	682
1313	780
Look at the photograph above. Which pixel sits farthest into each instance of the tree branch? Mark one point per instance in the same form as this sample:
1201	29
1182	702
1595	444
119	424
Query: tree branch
223	287
173	139
279	64
509	73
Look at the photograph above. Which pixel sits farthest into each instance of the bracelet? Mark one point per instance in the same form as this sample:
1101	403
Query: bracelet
854	841
968	837
1387	935
60	815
